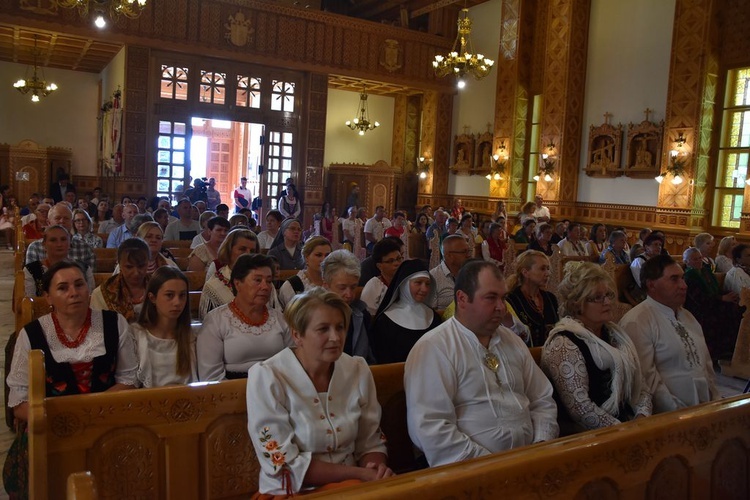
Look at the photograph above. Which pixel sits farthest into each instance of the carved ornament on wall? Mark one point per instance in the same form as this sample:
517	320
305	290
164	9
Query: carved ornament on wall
391	55
605	146
644	148
239	32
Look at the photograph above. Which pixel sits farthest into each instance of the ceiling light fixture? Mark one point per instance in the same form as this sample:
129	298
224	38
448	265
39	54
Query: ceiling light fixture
132	9
462	60
37	86
362	122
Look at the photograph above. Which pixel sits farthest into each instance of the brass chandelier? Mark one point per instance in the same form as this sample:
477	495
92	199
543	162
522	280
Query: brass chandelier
361	122
462	60
37	86
131	9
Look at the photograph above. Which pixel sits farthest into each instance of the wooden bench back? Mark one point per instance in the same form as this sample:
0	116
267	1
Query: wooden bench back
180	442
196	279
695	453
170	244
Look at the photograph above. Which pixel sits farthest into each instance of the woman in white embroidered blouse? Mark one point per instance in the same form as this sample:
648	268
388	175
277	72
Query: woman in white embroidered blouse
591	362
245	331
314	251
313	417
217	290
163	340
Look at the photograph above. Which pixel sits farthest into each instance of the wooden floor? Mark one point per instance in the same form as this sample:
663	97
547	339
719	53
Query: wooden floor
728	386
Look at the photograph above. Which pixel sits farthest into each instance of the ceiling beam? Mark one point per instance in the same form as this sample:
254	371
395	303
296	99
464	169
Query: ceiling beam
16	39
83	53
50	49
432	7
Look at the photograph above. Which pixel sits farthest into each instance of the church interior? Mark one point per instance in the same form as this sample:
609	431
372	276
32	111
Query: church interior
633	114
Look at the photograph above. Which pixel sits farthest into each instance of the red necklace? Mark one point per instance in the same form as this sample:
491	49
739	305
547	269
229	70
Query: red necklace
236	310
81	334
222	278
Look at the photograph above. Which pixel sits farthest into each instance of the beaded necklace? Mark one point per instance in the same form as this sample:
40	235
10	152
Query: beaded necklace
237	312
81	334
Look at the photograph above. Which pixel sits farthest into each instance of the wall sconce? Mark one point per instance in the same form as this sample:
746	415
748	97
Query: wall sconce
547	167
676	166
497	163
424	166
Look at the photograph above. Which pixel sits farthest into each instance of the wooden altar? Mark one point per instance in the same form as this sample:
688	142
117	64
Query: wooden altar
30	168
378	185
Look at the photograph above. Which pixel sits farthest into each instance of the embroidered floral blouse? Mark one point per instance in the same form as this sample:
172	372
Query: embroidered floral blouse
291	424
226	344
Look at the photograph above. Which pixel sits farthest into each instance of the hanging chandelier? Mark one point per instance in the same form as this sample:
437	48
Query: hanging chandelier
462	60
361	122
131	9
37	86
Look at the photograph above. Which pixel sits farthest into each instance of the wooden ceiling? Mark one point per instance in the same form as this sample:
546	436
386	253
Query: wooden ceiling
55	50
404	13
352	84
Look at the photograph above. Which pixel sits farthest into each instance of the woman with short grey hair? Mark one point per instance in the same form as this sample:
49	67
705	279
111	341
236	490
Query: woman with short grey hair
341	271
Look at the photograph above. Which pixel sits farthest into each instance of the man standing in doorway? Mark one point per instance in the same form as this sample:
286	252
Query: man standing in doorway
242	196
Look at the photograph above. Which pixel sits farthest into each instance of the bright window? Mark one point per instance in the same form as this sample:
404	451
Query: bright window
734	150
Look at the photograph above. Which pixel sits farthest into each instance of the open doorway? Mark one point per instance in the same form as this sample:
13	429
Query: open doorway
227	151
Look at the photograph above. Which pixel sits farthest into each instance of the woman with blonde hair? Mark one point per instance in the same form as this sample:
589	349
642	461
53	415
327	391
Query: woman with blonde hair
296	450
163	338
530	301
705	243
591	362
314	251
724	261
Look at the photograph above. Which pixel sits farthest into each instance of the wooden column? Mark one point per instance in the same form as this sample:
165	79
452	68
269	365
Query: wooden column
437	110
512	97
693	79
564	87
314	138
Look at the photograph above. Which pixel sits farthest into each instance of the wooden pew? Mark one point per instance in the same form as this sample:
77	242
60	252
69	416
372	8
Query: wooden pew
695	453
181	252
105	253
170	244
196	279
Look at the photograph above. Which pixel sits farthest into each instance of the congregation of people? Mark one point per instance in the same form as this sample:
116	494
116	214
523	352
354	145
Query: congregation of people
360	291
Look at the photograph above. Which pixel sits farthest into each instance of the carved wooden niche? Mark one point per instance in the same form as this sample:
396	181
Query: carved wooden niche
644	149
463	156
483	152
605	145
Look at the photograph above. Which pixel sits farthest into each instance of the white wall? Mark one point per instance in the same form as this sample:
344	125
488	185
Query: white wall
474	105
65	118
113	76
346	146
627	71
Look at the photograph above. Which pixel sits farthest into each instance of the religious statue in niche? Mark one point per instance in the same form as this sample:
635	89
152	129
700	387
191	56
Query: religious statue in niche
605	144
644	148
464	153
483	151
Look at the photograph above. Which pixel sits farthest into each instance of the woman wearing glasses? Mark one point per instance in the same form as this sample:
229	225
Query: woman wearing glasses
387	257
592	364
82	229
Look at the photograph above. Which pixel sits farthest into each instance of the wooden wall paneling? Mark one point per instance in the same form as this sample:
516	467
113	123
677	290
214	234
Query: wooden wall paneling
430	140
735	44
399	130
135	126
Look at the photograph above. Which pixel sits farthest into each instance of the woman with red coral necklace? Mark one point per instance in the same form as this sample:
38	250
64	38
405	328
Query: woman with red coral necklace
245	331
85	350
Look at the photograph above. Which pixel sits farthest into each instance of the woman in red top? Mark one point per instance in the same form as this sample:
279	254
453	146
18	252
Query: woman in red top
494	246
34	229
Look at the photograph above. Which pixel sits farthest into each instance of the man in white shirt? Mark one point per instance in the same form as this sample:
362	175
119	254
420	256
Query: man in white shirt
652	247
455	252
472	387
571	245
541	214
242	196
122	233
375	227
675	361
737	278
185	228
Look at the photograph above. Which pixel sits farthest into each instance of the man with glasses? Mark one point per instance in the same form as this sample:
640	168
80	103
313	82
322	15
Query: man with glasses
675	362
122	232
455	252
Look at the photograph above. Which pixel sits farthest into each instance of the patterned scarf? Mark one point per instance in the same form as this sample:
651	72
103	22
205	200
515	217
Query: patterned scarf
117	296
